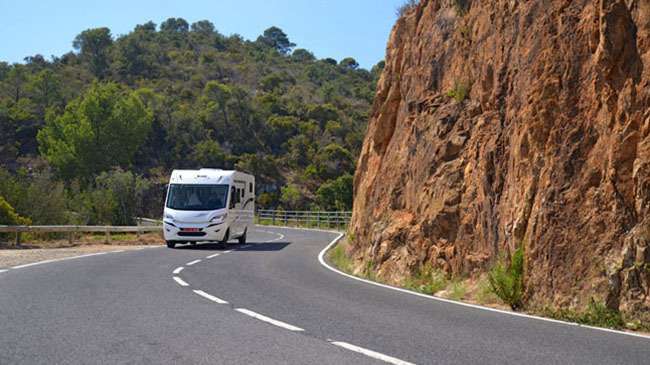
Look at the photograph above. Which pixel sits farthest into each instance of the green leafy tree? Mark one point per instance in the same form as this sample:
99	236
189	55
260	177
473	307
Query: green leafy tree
336	194
46	89
271	81
9	217
208	154
174	25
274	37
349	63
290	197
16	79
35	195
127	191
204	28
104	128
332	161
303	55
94	45
216	96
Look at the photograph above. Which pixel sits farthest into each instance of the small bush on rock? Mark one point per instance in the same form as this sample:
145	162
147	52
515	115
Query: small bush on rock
507	280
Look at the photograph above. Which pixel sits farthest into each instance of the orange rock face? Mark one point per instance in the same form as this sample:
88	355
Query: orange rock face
502	122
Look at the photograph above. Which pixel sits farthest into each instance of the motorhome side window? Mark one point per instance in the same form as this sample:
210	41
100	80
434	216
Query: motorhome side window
250	187
233	197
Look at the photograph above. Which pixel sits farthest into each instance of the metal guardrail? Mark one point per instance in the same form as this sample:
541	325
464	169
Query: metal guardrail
107	230
302	218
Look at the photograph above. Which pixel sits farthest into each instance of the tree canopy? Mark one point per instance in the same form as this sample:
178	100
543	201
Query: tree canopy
181	96
103	128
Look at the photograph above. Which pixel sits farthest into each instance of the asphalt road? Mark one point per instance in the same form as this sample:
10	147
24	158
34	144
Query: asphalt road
283	307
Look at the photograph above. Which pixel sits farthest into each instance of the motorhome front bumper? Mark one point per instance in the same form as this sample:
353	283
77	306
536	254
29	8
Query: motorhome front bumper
176	231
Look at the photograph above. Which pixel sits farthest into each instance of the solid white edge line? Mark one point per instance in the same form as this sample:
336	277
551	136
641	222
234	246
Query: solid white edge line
193	262
269	320
227	251
211	256
32	264
61	259
1	271
178	270
322	261
116	251
180	281
210	297
370	353
86	255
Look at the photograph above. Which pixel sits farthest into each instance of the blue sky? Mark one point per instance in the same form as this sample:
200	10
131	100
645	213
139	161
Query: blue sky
328	28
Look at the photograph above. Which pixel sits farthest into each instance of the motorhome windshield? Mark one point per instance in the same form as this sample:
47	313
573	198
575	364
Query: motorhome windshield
197	197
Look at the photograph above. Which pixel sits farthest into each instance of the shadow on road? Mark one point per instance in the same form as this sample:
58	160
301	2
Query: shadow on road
254	246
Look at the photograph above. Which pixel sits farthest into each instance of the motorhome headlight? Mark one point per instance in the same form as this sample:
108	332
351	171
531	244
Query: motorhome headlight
219	218
169	216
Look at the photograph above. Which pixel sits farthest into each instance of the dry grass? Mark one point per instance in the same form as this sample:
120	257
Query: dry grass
41	250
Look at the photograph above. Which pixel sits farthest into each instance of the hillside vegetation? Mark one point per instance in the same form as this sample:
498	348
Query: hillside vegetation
90	137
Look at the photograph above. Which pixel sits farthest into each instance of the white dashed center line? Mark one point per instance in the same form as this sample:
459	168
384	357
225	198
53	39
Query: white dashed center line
269	320
180	281
1	271
227	251
370	353
193	262
178	270
210	297
211	256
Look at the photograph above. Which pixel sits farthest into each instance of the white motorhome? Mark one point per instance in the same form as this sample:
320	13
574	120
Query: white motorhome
208	205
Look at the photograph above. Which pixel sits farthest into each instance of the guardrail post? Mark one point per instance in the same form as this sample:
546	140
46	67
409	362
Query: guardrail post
108	236
18	237
297	224
137	233
70	237
273	219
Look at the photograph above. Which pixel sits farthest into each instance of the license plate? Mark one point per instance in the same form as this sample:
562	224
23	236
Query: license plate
190	229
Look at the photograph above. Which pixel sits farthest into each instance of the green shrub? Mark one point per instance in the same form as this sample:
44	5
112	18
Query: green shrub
484	293
460	92
339	259
370	273
428	281
507	281
9	217
457	290
406	7
596	314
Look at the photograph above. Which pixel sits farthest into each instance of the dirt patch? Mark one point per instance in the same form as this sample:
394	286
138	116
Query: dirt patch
11	255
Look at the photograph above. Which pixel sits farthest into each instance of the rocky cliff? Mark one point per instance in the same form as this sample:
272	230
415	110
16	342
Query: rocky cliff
502	122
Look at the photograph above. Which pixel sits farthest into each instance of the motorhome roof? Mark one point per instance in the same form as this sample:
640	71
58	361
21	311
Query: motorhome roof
202	176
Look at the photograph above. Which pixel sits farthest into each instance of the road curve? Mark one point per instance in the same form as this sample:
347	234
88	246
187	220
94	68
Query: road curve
270	302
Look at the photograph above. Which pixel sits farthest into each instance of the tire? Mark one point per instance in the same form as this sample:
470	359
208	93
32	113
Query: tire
242	238
224	241
171	244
